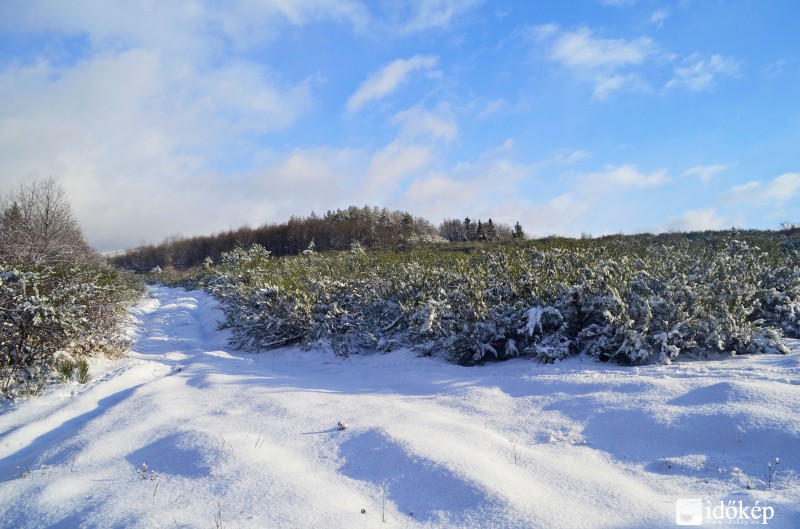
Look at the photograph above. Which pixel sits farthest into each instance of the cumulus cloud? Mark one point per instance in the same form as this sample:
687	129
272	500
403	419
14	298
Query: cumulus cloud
581	49
427	14
659	16
698	73
388	79
140	124
162	117
777	191
542	32
625	176
604	62
193	29
697	220
471	188
563	214
129	127
420	123
706	172
606	85
614	65
569	157
392	165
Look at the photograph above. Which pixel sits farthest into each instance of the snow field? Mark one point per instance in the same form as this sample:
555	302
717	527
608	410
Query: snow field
241	440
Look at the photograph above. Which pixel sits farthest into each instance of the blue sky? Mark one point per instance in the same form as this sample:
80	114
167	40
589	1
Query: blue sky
589	116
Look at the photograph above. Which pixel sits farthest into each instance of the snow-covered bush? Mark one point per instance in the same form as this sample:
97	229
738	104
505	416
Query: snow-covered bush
631	300
72	308
55	292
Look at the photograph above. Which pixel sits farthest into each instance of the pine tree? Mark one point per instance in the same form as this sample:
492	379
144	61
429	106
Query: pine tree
518	232
490	231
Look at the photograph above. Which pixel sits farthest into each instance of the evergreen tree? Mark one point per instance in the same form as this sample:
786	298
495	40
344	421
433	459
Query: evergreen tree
467	229
518	232
490	231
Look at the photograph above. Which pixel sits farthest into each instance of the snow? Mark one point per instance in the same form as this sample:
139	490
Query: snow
252	440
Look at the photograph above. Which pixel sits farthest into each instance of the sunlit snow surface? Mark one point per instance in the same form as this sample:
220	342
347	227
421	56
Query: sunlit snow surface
251	440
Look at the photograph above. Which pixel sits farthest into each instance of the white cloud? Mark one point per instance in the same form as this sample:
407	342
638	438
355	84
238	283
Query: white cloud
317	171
606	85
135	131
777	191
390	166
698	73
775	70
570	157
492	108
404	158
191	29
388	79
428	14
475	188
542	32
582	50
659	16
492	186
419	123
614	65
564	214
697	220
743	189
625	176
606	63
245	97
706	172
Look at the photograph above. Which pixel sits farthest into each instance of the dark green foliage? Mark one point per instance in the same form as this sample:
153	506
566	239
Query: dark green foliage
67	307
627	299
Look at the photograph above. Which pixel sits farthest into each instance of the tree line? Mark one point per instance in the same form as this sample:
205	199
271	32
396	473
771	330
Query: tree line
368	227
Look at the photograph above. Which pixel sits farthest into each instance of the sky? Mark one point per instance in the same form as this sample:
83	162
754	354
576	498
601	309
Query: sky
589	117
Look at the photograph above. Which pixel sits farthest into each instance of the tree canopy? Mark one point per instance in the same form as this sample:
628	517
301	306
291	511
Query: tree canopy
37	225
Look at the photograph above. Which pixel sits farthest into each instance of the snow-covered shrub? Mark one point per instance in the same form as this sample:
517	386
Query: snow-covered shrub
779	298
545	334
356	248
631	300
44	309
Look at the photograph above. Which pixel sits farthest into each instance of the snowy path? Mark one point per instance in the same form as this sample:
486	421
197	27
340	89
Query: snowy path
239	440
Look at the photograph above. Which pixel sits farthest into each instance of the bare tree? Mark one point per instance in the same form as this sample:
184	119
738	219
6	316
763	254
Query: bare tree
37	225
452	230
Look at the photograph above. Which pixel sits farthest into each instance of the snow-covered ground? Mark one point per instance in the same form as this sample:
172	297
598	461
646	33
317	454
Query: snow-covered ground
237	440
